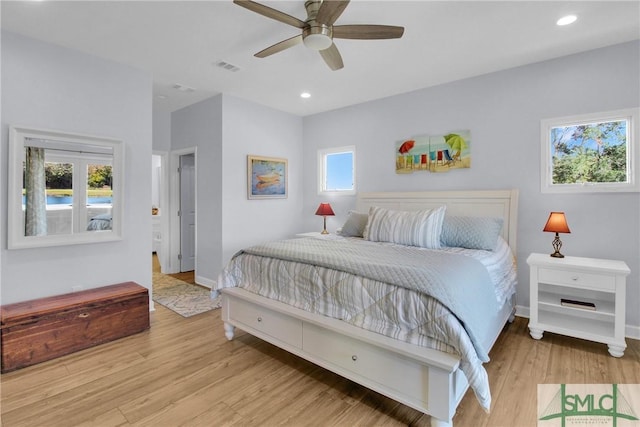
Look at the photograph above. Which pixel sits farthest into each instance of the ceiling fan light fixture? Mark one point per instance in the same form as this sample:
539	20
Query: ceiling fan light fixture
317	37
318	41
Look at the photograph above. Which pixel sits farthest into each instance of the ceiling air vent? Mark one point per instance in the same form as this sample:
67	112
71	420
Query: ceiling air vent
227	66
183	88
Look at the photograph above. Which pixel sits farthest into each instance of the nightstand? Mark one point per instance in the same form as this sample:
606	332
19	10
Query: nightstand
596	286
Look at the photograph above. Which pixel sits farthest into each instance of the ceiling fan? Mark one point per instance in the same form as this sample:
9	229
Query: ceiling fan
318	30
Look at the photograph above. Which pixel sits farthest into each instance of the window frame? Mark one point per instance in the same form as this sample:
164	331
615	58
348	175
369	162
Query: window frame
18	135
630	115
322	169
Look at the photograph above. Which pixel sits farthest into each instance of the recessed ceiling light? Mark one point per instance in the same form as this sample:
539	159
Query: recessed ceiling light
566	20
305	95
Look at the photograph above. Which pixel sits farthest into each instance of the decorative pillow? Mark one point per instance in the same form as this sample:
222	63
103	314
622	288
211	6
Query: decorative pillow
105	216
354	225
100	222
471	232
417	228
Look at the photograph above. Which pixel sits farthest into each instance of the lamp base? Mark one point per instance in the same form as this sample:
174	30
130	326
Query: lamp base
324	231
557	244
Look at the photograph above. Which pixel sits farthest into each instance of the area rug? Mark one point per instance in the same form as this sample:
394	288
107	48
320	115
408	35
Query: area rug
184	298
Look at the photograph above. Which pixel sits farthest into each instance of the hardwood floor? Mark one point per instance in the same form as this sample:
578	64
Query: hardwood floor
184	372
188	276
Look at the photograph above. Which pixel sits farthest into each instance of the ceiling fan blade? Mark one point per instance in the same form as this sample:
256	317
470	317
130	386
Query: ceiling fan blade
280	46
367	32
330	11
332	57
270	13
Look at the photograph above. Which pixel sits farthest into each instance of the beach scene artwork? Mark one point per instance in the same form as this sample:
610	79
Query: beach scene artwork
267	177
434	153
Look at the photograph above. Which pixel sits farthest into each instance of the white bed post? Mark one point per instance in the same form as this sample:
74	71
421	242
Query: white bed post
229	330
442	397
435	422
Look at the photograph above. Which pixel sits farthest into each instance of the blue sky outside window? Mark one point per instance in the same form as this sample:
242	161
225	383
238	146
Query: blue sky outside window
339	171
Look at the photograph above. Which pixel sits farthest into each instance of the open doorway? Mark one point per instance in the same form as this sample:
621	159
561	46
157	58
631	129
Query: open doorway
156	205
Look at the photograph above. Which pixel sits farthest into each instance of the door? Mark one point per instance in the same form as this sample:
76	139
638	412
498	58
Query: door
187	212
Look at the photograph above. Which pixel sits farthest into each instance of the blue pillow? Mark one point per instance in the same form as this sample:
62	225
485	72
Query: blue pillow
471	232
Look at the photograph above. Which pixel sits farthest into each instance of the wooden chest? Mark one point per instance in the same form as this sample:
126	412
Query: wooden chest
42	329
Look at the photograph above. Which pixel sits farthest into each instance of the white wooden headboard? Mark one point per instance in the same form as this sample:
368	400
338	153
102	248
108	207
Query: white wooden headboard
491	203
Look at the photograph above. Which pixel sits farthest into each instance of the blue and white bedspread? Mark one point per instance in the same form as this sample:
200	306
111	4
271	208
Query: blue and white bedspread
440	299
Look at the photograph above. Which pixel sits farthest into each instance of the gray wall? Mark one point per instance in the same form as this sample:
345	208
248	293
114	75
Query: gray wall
200	126
503	111
50	87
224	130
250	128
161	129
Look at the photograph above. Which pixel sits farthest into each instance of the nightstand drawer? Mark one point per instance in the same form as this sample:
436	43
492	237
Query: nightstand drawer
577	278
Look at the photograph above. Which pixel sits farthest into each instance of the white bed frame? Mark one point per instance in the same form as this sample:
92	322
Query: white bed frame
424	379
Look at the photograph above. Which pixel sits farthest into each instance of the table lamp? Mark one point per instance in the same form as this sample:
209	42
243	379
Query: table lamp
557	223
325	210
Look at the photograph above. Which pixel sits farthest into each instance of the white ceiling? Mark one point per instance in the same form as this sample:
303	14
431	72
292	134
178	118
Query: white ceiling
180	41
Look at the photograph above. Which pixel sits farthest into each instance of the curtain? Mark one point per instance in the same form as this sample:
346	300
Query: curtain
35	187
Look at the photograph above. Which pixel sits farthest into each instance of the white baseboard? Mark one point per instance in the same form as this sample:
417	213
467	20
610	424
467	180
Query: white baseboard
630	331
207	283
522	311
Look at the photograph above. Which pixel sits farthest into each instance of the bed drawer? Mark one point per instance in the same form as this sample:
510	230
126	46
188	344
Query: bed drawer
279	326
403	375
577	278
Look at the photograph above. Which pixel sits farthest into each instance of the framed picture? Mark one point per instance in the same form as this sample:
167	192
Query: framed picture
266	177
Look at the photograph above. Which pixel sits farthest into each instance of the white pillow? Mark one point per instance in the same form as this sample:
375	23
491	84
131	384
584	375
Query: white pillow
417	228
354	225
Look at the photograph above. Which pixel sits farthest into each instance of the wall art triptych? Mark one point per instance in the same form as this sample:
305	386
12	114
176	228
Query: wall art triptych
434	153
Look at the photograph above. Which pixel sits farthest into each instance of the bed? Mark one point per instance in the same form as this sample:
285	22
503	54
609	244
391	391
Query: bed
435	352
100	222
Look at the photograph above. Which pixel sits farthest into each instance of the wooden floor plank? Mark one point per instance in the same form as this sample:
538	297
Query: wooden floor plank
183	371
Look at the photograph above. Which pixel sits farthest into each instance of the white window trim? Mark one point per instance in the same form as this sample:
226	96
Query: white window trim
632	115
322	170
16	238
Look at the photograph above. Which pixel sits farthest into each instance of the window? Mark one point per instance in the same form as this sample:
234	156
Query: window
87	176
337	170
591	153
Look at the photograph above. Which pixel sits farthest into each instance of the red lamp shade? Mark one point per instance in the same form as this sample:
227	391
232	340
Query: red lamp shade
557	223
325	209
